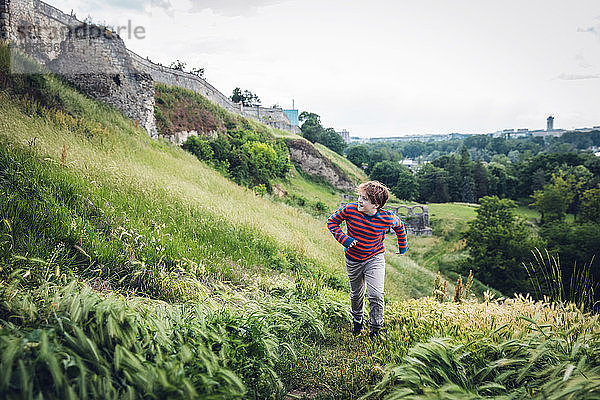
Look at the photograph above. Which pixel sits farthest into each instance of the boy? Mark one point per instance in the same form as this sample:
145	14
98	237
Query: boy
366	225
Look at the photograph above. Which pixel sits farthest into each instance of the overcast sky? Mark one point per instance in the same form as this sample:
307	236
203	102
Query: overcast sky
384	68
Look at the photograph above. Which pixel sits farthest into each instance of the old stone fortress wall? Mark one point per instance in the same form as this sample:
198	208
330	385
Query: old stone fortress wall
98	62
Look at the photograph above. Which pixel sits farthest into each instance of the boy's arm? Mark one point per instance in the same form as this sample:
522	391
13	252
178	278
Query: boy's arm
400	230
333	224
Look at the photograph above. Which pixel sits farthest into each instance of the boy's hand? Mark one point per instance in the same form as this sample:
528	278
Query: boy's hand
353	243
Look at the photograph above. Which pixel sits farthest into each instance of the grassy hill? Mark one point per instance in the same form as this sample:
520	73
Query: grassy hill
128	268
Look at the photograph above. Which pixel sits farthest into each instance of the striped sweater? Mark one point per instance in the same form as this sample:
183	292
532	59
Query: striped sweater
368	231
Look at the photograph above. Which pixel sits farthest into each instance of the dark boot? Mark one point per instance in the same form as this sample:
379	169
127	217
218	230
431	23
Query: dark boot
357	327
374	333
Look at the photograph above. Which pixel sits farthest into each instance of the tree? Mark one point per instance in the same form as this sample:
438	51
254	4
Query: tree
451	164
407	187
501	182
305	116
199	72
313	131
358	155
386	172
551	203
466	165
498	145
331	139
480	178
563	194
590	205
577	246
247	98
376	156
433	184
467	184
311	126
513	156
498	244
476	141
221	148
262	161
413	149
237	96
579	179
178	65
467	192
181	66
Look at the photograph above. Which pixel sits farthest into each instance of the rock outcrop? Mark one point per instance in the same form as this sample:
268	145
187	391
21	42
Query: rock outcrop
312	162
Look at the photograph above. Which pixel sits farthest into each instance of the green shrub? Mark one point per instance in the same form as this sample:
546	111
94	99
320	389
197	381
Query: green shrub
200	147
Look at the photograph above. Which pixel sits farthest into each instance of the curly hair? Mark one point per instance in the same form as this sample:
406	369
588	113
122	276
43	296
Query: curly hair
375	191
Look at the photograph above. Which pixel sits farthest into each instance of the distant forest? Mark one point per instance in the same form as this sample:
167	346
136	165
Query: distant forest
468	169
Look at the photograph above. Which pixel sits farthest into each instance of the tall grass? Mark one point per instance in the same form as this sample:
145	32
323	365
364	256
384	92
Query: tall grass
160	251
535	351
546	277
158	172
71	342
543	365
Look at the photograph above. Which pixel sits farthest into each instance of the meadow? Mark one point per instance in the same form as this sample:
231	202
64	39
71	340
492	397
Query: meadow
129	269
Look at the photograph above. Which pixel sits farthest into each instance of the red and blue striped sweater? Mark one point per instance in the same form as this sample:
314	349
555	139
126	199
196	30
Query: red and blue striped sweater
368	231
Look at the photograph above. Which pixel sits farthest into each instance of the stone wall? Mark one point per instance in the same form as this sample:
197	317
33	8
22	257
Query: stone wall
170	76
4	19
417	223
91	57
274	117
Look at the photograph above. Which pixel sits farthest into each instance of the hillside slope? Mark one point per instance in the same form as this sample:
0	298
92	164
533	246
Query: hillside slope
240	146
128	268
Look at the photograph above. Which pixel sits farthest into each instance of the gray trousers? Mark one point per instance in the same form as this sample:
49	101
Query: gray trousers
372	273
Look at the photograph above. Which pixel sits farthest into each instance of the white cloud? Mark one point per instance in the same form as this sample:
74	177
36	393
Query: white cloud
232	8
575	77
582	61
164	5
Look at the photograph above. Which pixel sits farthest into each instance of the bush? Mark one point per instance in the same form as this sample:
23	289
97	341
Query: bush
246	157
499	243
200	147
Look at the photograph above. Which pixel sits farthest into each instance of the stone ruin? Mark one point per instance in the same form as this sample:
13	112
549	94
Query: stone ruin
416	223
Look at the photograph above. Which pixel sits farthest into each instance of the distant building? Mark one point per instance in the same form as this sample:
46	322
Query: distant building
521	132
357	139
345	135
550	123
584	130
409	162
545	134
292	116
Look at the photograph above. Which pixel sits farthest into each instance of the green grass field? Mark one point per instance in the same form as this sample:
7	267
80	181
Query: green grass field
129	269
